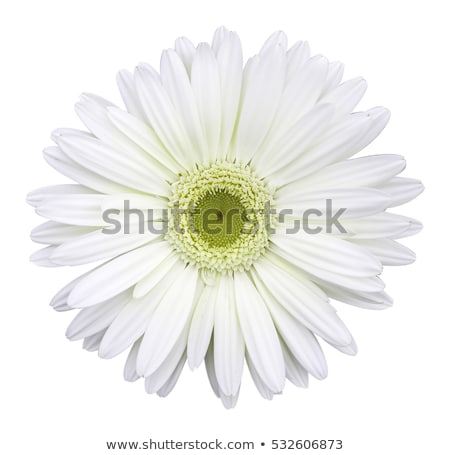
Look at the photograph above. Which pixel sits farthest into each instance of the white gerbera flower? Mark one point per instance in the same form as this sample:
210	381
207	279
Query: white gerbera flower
229	212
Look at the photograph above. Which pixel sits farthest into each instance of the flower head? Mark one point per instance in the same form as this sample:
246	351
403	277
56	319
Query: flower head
229	210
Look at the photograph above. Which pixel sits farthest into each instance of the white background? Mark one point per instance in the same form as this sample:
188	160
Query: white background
392	398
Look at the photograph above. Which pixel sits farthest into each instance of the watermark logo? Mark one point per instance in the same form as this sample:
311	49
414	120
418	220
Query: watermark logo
214	221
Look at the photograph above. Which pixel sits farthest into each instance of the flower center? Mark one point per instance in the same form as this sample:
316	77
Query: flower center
219	217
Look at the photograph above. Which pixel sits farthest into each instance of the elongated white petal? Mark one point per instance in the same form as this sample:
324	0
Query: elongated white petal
95	114
97	245
382	225
388	251
229	344
260	336
346	96
155	381
130	97
337	145
129	370
402	190
296	55
201	328
42	257
334	77
316	314
302	343
176	82
142	135
76	209
354	202
96	318
205	80
279	151
262	87
171	382
366	171
263	389
164	329
229	60
55	233
300	93
92	342
294	369
276	39
68	167
131	323
117	275
130	169
328	253
36	197
340	269
186	51
161	115
210	369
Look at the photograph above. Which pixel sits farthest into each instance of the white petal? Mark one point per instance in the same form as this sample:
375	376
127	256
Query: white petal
55	233
294	369
130	97
98	245
338	144
314	313
229	344
367	300
205	80
356	202
42	257
346	96
175	80
220	35
210	369
378	119
162	115
297	55
68	167
261	92
130	323
130	169
331	266
76	209
384	224
171	382
326	252
158	378
334	77
117	275
149	281
129	371
229	59
186	51
414	227
96	318
301	93
142	135
259	383
402	190
164	329
201	327
277	38
59	301
364	171
388	251
261	339
302	343
92	343
279	151
95	114
36	197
